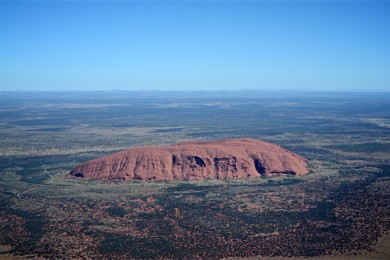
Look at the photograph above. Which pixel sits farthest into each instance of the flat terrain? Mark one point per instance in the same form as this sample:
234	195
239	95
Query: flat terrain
340	209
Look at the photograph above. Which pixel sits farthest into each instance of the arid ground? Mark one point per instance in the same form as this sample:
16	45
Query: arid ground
341	209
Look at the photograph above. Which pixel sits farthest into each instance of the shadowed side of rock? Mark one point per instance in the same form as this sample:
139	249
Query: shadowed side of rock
226	159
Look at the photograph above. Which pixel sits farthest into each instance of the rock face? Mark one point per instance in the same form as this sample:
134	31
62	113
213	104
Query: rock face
198	160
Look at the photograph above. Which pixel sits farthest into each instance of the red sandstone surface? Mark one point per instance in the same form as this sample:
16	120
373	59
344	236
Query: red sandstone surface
197	160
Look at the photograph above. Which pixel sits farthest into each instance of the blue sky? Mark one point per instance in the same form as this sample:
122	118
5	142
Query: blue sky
194	45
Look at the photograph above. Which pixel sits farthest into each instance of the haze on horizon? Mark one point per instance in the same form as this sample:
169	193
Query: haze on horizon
194	45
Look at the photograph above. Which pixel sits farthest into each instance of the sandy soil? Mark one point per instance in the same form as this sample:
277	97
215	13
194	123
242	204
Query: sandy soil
381	251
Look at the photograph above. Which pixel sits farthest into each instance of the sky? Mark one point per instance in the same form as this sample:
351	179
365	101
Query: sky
194	45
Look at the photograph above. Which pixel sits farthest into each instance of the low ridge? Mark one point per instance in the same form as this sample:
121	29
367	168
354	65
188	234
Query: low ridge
195	160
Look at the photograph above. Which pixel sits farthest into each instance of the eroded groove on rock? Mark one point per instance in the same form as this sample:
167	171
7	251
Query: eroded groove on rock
259	167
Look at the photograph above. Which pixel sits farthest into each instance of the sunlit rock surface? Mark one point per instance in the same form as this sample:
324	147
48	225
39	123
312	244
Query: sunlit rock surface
197	160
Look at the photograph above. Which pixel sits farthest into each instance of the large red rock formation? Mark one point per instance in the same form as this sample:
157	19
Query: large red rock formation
226	159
